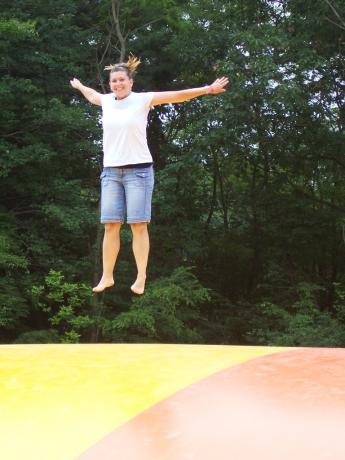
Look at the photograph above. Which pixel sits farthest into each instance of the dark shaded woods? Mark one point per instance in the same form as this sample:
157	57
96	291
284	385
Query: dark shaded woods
247	237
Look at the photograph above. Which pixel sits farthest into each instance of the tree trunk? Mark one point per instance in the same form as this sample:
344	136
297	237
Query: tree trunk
214	196
115	8
222	195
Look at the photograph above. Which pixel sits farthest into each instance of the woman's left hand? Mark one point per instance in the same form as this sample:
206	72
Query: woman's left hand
218	85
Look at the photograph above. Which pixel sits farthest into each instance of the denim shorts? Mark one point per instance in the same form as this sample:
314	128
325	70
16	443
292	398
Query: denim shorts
126	191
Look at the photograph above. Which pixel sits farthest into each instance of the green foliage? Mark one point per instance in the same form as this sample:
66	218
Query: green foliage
17	29
13	306
304	325
13	263
9	257
250	184
169	311
68	306
41	336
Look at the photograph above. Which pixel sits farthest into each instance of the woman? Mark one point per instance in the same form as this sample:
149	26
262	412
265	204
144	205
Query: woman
127	178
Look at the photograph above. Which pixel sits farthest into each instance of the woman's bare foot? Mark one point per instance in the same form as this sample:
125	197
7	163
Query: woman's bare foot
138	287
103	284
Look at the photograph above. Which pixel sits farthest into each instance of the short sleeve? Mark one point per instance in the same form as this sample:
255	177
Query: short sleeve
147	97
105	98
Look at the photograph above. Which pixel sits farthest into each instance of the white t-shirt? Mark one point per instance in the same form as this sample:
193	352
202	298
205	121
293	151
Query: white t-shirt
124	129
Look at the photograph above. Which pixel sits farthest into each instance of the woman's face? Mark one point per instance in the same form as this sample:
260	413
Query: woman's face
120	84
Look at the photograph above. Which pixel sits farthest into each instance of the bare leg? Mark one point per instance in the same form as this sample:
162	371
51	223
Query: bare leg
111	247
141	247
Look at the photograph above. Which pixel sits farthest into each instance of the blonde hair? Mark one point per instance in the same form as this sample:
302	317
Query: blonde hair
129	67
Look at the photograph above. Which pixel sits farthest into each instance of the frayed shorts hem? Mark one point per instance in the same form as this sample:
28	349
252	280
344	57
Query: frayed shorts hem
121	221
138	221
112	221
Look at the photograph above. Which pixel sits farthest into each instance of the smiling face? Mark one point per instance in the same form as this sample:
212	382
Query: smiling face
120	84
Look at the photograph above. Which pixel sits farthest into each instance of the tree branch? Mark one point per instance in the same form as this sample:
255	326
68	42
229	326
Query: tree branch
115	8
130	32
314	198
342	22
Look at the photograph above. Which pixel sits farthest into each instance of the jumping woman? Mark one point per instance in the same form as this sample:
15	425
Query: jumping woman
127	178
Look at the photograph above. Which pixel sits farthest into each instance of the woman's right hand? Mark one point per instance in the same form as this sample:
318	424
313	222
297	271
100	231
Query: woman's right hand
75	83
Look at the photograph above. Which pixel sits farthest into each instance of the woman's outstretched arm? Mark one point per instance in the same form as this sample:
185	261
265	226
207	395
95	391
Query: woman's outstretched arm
90	94
171	97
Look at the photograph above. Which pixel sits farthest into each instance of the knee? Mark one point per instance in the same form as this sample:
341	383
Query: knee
112	227
139	228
